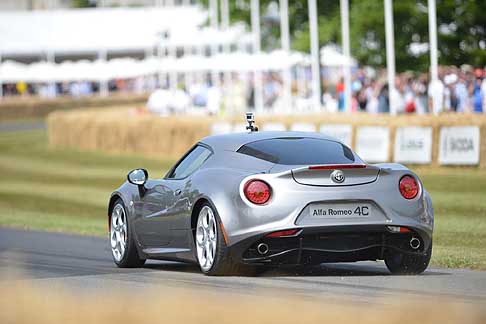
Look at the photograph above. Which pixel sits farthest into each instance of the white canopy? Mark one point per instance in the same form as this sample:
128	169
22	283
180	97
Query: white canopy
79	31
124	68
330	56
206	36
11	72
235	62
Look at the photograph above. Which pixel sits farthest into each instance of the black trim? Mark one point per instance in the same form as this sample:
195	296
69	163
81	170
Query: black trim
329	244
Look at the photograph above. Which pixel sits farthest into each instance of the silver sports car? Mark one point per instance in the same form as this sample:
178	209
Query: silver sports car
239	201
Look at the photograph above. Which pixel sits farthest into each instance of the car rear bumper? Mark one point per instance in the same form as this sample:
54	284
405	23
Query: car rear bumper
314	245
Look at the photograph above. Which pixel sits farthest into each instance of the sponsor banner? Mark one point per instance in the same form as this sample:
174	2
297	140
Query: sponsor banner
303	127
273	127
459	145
221	128
372	143
343	133
413	145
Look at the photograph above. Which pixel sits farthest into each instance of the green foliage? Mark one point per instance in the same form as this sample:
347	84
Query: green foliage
60	190
462	31
367	25
461	41
82	4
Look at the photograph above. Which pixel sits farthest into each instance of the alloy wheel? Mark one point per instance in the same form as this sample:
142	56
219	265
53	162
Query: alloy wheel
118	232
206	238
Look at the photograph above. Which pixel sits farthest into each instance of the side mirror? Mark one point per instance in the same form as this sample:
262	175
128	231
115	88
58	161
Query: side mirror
138	177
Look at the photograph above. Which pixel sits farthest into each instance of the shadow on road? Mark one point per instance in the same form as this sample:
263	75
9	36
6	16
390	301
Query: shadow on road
172	266
363	269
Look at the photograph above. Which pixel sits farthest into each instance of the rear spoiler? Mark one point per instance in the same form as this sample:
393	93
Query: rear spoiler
337	166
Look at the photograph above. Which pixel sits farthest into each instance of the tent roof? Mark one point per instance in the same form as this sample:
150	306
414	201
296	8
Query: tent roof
11	71
330	56
78	31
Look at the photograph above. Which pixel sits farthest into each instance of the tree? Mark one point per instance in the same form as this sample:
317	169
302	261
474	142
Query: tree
367	26
461	30
298	19
83	3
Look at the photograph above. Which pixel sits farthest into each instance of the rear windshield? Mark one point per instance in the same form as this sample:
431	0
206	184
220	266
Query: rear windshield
299	151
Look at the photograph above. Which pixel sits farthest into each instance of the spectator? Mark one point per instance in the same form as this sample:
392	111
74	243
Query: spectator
436	96
477	98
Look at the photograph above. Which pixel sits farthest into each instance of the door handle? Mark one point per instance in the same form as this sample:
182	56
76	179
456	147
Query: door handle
178	192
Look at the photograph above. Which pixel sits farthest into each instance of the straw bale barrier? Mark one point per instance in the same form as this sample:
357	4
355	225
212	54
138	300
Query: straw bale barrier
119	130
122	131
31	107
33	301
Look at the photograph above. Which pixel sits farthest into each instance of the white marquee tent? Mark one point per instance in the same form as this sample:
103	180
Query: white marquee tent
129	68
80	31
331	57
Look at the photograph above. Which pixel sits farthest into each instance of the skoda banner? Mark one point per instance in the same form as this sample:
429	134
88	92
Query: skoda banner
459	145
413	145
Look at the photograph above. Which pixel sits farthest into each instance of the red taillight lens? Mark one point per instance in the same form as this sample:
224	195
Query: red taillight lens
285	233
409	187
257	191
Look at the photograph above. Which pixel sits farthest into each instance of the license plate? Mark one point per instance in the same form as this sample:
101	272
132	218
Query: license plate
341	210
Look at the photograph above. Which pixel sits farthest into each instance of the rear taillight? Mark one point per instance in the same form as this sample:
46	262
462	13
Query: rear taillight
399	229
409	187
257	191
285	233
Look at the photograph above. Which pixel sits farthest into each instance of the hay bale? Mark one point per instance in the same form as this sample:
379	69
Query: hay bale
120	130
12	108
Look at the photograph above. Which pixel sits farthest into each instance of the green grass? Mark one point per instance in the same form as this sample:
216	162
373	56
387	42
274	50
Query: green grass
459	198
67	191
60	190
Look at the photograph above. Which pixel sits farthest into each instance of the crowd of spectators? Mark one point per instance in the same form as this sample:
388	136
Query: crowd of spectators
79	89
457	90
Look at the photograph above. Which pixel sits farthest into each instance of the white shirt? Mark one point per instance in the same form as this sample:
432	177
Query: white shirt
483	94
436	92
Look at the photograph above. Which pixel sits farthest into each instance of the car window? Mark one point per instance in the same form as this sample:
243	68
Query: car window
190	163
299	151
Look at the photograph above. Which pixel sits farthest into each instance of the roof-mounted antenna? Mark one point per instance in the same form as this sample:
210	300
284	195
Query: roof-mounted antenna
250	119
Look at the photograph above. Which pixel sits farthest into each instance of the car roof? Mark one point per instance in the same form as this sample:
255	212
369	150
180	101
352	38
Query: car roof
233	141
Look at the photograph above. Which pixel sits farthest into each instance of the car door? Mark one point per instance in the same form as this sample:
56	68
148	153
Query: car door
179	179
150	228
166	203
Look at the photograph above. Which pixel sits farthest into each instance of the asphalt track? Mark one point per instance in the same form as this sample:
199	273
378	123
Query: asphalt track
84	263
15	126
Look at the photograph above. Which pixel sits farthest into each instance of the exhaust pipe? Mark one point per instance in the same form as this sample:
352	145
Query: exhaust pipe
414	243
262	248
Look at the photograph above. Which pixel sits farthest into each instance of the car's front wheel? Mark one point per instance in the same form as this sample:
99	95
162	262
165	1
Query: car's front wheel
123	248
401	263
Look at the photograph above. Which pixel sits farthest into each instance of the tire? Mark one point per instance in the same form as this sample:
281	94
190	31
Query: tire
408	264
122	242
221	263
